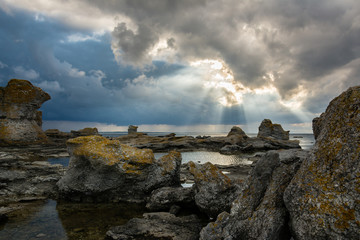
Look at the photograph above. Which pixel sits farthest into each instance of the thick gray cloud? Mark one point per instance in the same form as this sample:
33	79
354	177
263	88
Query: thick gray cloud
132	48
304	51
298	42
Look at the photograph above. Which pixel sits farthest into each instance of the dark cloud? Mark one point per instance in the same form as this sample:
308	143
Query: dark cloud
132	48
302	50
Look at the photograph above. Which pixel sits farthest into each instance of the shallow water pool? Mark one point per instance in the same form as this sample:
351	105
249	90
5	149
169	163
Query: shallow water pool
55	220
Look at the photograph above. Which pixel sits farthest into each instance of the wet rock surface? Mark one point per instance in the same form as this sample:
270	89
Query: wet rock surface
104	170
323	197
158	225
20	122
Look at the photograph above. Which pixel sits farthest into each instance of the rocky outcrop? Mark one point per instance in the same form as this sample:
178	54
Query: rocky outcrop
20	122
84	132
235	142
323	197
214	191
272	130
259	212
27	180
132	129
105	170
158	226
164	198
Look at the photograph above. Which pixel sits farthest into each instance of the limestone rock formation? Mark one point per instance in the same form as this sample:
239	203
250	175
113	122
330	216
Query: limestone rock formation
27	180
105	170
20	122
84	132
164	198
259	211
324	196
214	191
158	225
269	129
132	129
236	141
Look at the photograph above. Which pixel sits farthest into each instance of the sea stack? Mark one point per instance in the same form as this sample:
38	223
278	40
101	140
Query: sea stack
20	122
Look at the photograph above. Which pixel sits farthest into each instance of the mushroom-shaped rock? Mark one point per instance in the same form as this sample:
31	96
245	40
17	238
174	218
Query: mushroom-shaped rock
103	170
132	129
19	118
272	130
323	197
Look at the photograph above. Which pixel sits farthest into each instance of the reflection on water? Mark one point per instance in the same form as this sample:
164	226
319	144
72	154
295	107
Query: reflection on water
52	220
213	157
35	221
63	161
92	221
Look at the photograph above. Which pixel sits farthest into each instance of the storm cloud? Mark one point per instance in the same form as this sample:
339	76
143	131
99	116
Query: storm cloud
155	59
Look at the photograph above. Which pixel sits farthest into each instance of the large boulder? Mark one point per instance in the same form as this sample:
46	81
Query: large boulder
164	198
323	197
259	211
214	191
20	122
105	170
272	130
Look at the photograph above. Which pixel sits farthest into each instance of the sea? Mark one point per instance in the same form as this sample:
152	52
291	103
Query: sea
50	219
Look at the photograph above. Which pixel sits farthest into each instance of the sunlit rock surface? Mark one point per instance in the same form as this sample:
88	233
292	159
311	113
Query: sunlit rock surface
20	122
105	170
324	197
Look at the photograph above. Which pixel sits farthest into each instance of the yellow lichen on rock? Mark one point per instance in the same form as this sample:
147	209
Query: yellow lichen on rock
167	161
208	173
109	152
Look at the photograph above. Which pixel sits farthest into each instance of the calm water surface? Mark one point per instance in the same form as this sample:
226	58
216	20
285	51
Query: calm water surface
53	220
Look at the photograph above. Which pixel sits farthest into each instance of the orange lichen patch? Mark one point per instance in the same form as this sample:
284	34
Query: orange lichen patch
168	163
328	207
3	130
208	173
22	91
110	152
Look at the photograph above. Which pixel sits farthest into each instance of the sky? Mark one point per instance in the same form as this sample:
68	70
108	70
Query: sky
171	65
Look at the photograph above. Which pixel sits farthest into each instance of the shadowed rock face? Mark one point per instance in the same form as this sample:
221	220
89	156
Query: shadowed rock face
104	170
259	212
214	191
324	196
269	129
160	225
19	118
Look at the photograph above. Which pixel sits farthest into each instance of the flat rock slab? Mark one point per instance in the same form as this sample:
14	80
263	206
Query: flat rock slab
158	225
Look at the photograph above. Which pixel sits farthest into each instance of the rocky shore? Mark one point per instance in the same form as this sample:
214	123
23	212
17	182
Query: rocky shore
288	193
